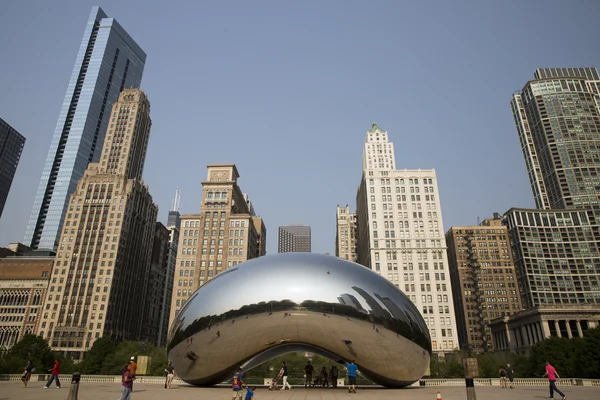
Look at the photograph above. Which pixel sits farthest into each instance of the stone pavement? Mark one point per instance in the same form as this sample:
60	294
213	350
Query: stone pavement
97	391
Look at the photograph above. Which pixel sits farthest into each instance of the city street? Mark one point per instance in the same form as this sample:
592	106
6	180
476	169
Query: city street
91	391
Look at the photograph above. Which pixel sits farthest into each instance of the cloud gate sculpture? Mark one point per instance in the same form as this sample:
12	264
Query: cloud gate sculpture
281	303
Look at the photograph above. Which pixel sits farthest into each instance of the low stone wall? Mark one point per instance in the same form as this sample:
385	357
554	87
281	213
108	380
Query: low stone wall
160	380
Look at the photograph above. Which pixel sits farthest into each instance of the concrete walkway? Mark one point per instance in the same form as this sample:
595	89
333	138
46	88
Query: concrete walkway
97	391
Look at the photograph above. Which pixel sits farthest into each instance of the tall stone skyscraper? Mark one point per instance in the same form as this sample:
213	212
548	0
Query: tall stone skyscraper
400	235
223	235
109	60
346	234
556	247
100	278
11	146
294	239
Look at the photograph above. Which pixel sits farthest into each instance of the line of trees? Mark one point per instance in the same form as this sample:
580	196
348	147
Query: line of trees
573	358
104	358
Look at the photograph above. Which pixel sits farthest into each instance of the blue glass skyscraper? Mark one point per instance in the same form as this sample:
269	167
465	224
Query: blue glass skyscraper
108	61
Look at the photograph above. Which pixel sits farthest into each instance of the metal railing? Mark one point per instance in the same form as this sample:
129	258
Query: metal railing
158	380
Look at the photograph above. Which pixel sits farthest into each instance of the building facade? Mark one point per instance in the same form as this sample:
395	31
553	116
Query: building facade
23	285
11	147
223	235
174	226
103	262
558	121
400	235
556	256
484	280
346	234
154	325
294	239
519	332
108	61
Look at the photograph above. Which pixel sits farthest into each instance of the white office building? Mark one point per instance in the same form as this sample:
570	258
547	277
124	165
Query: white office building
401	235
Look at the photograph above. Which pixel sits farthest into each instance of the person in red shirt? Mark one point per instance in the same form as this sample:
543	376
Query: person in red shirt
54	375
552	376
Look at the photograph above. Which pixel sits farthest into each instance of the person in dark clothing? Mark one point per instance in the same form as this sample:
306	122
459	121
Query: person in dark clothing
324	377
308	371
29	368
511	375
334	376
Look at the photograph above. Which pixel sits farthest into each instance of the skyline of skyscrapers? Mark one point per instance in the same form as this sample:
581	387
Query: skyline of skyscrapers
11	147
401	235
109	60
294	239
104	257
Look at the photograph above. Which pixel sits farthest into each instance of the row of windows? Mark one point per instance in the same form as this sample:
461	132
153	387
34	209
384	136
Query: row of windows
411	181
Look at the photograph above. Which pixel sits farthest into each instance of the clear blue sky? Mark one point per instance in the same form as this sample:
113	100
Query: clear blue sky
287	90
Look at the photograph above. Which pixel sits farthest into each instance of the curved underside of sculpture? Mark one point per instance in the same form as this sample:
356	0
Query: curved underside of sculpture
290	302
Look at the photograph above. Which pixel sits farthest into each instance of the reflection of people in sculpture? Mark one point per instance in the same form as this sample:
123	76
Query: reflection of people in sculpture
283	372
308	370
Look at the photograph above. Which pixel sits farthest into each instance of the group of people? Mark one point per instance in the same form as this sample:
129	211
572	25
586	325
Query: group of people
551	374
54	371
323	379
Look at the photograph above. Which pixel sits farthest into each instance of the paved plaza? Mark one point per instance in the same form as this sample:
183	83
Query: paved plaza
97	391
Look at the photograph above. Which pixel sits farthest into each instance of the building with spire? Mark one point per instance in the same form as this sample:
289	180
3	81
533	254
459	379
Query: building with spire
99	282
224	234
109	60
400	235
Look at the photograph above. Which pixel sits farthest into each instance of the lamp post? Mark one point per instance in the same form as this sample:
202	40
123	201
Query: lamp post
471	368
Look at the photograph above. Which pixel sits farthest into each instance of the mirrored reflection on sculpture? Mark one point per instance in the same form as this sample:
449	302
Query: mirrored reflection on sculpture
287	302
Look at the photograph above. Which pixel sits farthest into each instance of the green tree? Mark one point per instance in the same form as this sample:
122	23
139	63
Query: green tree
587	359
32	348
102	349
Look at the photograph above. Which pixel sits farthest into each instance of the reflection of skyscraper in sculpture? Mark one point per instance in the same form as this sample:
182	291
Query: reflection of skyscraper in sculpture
376	308
350	300
109	60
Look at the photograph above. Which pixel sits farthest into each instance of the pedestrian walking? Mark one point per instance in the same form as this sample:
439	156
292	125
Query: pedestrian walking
238	385
352	371
552	376
283	373
29	368
511	375
54	375
127	379
170	370
502	373
133	368
308	372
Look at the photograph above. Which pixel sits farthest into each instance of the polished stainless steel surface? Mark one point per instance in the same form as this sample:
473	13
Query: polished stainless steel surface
287	302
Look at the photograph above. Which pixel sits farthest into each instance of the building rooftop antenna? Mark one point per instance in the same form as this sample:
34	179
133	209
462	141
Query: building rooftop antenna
176	206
